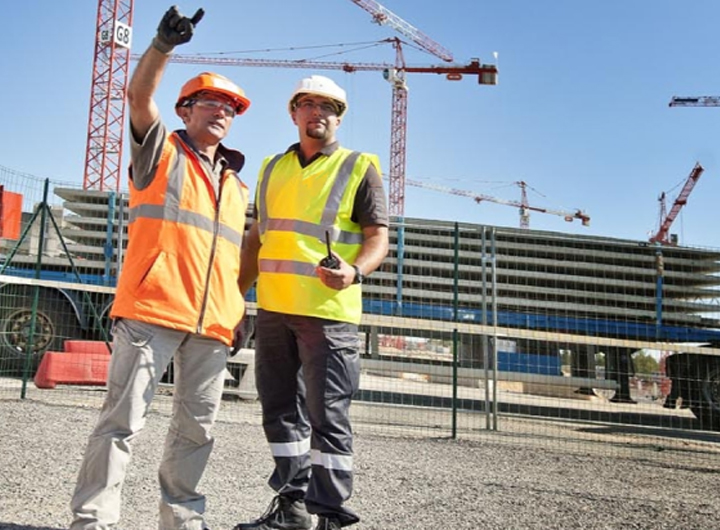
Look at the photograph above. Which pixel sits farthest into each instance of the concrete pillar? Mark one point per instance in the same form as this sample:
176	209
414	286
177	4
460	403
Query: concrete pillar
583	365
374	343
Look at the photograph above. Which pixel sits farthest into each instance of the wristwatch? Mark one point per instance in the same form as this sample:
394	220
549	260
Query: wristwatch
359	276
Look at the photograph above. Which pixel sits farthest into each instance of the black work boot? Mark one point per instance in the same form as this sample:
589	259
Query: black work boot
328	523
284	513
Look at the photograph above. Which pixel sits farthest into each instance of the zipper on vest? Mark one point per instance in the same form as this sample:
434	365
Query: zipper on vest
213	248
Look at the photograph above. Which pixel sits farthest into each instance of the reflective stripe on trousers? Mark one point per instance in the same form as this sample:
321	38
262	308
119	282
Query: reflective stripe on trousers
141	352
307	370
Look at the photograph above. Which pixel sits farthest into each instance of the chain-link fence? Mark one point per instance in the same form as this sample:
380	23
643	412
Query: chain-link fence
468	330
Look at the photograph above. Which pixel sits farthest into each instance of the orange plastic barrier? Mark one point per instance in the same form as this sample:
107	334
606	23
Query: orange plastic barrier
85	346
85	363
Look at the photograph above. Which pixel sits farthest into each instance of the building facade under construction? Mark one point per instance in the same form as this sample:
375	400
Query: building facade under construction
539	293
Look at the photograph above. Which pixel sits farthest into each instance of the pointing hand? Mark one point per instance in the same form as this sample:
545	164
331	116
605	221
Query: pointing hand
175	29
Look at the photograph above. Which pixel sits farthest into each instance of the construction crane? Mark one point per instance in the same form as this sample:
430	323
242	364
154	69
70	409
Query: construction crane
383	16
111	74
662	236
523	206
106	121
395	74
700	101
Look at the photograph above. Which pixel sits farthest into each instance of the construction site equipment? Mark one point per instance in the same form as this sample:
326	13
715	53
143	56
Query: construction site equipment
663	235
383	16
700	101
110	78
394	73
81	362
523	207
106	121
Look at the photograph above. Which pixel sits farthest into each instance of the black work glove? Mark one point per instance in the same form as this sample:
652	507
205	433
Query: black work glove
175	29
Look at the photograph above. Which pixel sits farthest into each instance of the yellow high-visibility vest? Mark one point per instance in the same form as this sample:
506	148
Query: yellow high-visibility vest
296	206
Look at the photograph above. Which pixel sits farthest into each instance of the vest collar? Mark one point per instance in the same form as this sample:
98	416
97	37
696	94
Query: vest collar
325	151
233	159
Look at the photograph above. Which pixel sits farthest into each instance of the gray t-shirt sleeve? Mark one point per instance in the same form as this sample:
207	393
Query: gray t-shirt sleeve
370	207
145	154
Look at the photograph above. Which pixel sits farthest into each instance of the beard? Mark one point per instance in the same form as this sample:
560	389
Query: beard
318	133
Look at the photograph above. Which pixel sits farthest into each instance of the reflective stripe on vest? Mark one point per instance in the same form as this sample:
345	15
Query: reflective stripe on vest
330	211
188	217
171	211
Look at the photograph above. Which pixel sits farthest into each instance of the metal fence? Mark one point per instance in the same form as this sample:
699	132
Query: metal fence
468	330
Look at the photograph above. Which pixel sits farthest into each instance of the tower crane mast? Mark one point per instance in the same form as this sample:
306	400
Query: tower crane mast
662	236
106	121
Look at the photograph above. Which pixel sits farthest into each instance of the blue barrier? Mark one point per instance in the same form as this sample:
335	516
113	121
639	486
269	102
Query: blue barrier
591	327
528	363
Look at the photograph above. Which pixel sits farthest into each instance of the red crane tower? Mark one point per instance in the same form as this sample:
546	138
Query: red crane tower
662	236
106	121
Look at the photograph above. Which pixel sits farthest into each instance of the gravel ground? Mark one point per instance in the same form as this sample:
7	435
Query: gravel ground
492	481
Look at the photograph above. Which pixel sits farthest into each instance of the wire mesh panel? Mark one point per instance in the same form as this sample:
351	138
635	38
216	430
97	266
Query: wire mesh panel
58	267
541	325
468	330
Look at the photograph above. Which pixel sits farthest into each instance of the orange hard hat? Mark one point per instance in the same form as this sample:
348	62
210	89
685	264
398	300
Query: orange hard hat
210	82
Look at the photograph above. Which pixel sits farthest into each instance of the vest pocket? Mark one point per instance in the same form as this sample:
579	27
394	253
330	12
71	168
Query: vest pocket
156	275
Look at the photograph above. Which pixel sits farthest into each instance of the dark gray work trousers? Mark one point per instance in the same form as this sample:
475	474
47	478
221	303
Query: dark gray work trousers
306	371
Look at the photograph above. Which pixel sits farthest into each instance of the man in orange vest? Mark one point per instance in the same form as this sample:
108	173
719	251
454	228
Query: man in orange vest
178	295
307	362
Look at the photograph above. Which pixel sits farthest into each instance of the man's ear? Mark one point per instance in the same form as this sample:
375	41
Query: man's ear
183	113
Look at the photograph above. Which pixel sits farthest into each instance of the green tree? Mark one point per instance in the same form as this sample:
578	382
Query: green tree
645	363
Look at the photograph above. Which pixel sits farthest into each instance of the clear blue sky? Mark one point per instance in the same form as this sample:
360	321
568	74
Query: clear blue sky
581	112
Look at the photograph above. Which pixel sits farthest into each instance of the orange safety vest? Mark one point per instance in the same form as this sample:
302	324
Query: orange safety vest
182	262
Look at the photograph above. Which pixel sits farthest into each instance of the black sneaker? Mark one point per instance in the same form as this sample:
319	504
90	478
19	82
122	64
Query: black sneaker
328	523
284	513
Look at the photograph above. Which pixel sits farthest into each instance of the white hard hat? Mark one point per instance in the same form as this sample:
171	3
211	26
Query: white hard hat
318	85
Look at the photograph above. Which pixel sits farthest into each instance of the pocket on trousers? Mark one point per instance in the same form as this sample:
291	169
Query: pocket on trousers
132	332
344	347
129	338
340	337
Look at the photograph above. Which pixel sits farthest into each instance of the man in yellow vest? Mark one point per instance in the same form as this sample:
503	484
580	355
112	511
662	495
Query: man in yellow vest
309	306
178	295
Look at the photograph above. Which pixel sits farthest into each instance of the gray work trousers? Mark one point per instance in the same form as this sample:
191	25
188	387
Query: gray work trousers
306	371
141	353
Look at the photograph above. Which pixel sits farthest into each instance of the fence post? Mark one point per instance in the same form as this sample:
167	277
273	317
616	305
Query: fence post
36	290
456	281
